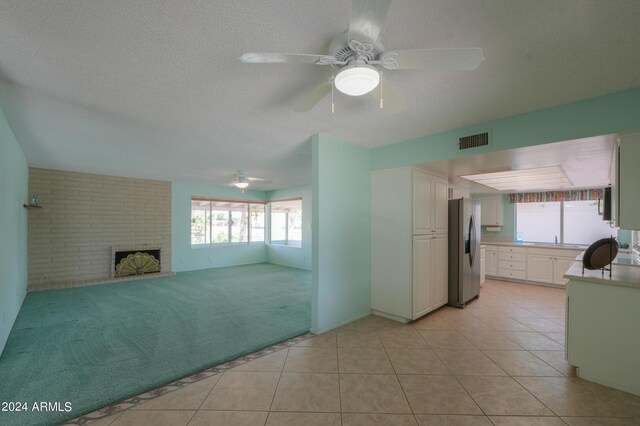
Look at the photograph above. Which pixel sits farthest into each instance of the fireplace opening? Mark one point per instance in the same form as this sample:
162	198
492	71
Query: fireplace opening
136	262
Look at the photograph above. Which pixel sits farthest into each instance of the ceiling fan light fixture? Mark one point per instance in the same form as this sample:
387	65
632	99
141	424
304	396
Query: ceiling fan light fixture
241	184
357	80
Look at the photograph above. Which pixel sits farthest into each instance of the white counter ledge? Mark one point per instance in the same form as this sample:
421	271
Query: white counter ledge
536	245
621	275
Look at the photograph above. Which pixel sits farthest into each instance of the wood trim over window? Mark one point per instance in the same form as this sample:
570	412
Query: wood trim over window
285	199
228	200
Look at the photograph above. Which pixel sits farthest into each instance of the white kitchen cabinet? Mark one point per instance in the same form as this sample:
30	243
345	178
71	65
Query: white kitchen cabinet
440	205
440	262
548	265
491	211
491	261
560	267
421	203
430	204
430	273
422	271
409	243
540	268
628	182
483	264
512	262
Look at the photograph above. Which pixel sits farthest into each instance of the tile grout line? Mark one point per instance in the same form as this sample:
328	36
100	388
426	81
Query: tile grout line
339	381
273	398
461	385
384	347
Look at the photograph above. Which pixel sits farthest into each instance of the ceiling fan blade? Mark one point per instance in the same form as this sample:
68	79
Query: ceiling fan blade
391	102
256	179
367	18
315	97
289	58
455	59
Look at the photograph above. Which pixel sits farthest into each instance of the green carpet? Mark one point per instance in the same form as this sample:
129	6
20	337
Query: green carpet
93	346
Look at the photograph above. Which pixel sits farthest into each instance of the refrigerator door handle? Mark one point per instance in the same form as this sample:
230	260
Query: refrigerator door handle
472	241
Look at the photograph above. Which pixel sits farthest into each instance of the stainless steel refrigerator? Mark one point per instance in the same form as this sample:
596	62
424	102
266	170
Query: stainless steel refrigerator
464	251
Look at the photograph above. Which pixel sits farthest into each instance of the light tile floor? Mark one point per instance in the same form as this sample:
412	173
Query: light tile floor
500	361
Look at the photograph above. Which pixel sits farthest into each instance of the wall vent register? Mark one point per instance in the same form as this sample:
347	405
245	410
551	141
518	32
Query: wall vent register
474	141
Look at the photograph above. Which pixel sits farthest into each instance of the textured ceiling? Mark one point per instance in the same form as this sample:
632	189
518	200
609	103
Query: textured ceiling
586	162
154	88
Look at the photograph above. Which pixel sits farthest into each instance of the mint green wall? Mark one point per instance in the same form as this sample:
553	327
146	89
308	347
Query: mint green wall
183	257
508	229
14	192
296	257
341	233
618	112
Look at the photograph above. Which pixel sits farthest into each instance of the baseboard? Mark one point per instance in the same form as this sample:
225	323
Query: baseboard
390	316
513	280
321	330
288	266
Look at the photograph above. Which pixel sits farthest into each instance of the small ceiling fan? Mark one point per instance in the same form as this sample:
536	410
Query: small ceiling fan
241	180
357	54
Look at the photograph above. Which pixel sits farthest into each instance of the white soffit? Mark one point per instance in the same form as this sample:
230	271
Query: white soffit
523	180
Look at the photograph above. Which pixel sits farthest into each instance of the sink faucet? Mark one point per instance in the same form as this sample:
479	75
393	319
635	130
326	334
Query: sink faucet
556	239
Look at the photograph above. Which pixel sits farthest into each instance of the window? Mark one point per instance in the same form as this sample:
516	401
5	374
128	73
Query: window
226	221
538	222
568	222
582	224
286	222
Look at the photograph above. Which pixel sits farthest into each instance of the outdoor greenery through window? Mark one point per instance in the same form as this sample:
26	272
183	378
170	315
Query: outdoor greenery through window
286	222
226	222
567	222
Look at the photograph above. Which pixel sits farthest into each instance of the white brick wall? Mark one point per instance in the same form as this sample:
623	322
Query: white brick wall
84	216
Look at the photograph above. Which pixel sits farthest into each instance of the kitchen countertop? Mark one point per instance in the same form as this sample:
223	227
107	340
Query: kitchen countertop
622	275
537	245
623	258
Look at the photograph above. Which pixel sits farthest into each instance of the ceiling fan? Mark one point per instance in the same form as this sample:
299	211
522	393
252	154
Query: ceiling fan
241	180
358	53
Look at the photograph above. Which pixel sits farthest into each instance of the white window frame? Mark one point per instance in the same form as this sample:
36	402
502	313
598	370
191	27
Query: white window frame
286	230
229	223
561	236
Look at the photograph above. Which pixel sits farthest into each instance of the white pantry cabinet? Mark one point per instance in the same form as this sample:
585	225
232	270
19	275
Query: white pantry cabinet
430	204
491	211
430	273
409	243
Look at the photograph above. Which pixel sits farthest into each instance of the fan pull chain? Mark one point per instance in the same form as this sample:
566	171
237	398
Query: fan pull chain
333	84
381	98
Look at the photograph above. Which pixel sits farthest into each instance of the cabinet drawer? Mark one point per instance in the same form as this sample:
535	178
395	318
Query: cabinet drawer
512	273
515	257
491	248
511	249
508	264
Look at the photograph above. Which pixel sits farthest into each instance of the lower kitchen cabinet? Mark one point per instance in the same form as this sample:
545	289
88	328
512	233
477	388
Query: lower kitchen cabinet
511	262
430	273
535	264
483	263
560	267
540	268
491	261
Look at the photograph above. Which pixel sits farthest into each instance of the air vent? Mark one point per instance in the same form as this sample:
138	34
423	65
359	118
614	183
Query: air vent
474	141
